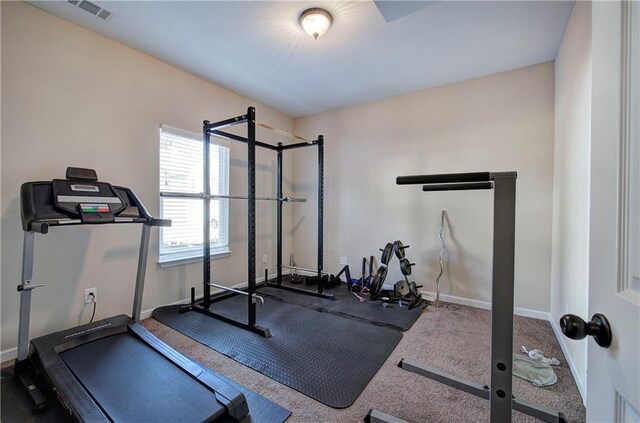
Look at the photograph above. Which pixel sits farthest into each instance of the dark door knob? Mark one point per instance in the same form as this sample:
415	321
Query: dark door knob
575	328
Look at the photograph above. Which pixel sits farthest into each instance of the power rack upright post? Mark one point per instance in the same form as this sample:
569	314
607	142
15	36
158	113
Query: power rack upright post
205	305
320	263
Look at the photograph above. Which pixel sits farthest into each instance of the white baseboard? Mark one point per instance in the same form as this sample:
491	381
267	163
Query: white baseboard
485	305
576	375
8	354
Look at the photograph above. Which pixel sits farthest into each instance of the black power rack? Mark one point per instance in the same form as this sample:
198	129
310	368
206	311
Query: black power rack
216	129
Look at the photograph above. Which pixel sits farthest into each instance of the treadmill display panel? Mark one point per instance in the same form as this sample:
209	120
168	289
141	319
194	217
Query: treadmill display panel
93	202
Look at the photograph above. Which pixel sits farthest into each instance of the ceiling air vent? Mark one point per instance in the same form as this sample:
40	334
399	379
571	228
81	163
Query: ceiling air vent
92	8
104	14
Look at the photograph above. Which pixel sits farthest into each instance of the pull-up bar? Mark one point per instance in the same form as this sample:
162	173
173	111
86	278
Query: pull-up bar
214	129
281	132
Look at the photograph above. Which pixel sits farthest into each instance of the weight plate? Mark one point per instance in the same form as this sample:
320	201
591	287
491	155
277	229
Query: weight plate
378	281
386	254
405	267
398	247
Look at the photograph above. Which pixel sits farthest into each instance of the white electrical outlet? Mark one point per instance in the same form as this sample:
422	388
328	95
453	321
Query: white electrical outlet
90	295
343	261
264	259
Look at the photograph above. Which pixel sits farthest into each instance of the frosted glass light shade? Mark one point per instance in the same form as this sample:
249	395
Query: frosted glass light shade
315	21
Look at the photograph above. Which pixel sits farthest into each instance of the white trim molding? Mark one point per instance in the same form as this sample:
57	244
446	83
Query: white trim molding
485	305
8	354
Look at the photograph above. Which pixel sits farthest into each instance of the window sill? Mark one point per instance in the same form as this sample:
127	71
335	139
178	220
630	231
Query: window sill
181	260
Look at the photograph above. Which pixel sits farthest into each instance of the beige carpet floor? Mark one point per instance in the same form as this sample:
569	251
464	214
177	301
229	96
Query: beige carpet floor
456	341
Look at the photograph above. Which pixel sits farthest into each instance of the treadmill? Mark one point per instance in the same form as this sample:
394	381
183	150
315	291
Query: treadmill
112	370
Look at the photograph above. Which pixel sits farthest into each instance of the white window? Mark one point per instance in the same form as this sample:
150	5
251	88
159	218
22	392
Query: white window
181	172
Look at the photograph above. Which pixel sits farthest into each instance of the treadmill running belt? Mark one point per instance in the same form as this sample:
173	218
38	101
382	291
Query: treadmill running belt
134	383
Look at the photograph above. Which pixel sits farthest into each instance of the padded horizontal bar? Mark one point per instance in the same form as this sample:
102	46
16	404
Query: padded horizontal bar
444	178
224	123
299	145
458	186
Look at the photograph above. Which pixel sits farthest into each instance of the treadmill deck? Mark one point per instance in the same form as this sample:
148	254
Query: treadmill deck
116	370
134	383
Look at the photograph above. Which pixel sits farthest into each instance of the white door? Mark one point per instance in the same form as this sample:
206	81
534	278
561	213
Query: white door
613	379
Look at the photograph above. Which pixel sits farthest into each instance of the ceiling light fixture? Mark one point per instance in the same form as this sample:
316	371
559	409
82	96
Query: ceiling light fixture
315	21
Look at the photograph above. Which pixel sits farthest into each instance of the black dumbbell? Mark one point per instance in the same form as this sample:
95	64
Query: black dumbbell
399	248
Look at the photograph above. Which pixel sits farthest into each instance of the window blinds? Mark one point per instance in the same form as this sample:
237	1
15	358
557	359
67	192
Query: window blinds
181	171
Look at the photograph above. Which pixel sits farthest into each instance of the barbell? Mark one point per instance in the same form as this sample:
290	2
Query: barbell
230	197
237	291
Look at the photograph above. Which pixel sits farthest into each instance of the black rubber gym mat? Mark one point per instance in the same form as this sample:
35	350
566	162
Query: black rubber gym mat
394	316
325	356
16	407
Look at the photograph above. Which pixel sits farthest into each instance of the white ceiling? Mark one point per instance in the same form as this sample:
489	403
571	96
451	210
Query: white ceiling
256	48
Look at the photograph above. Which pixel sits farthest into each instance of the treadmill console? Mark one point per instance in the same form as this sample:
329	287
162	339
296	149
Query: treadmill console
92	202
80	199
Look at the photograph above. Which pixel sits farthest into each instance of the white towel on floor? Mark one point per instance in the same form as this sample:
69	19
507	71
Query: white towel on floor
536	372
538	355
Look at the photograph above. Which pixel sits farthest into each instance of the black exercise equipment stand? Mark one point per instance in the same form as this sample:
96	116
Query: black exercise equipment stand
504	217
204	305
112	369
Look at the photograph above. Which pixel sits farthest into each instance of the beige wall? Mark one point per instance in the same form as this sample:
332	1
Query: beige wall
500	122
74	98
570	264
77	98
